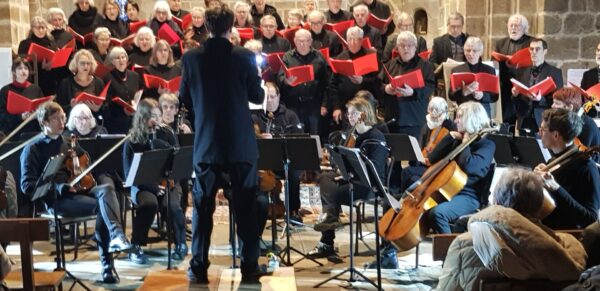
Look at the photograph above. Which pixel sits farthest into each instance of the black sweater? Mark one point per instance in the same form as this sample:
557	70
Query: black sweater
123	85
8	122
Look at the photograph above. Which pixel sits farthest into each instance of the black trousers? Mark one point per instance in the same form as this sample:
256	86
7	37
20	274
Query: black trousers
244	179
146	204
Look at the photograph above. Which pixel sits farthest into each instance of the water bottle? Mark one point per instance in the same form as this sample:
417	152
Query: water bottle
273	262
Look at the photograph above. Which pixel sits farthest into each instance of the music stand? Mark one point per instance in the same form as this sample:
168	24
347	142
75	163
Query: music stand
503	155
45	185
354	171
404	147
529	151
289	154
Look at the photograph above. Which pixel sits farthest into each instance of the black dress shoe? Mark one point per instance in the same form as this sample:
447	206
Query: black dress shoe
197	276
321	251
109	277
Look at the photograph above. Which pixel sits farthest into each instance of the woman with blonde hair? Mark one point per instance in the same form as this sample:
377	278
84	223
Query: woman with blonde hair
143	42
162	65
242	19
82	66
197	31
82	123
58	20
118	27
85	18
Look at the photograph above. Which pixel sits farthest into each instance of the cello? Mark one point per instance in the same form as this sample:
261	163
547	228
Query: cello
441	181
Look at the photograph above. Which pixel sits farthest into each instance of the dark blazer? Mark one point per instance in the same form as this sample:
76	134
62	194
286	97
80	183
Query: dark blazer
590	78
218	80
442	49
523	105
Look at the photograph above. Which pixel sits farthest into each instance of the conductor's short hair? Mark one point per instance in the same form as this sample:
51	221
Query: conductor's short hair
219	20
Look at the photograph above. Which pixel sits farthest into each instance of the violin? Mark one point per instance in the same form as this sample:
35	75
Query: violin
181	114
268	180
440	182
76	164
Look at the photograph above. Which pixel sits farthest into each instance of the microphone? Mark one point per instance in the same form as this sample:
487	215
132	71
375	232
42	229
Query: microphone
390	121
101	119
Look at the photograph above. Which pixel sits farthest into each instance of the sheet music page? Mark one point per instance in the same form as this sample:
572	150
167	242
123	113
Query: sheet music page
545	151
135	164
416	149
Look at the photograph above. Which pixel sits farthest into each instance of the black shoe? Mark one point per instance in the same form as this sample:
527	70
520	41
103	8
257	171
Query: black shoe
196	276
119	244
295	218
328	223
180	252
108	277
254	277
389	259
137	255
322	251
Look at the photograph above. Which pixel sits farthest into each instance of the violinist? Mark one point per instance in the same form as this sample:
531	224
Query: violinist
100	199
334	191
570	99
82	123
148	133
475	161
172	115
574	186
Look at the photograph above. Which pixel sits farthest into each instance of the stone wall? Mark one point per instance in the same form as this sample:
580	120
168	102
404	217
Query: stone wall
14	22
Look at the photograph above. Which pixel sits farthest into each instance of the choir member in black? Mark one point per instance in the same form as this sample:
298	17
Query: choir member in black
82	65
148	133
133	11
307	99
294	18
143	42
272	43
101	44
82	123
163	66
574	186
40	35
517	39
335	13
212	3
404	22
118	28
242	19
342	88
260	9
56	17
323	38
85	18
570	99
529	108
592	76
20	70
360	14
379	9
283	121
161	15
468	92
169	104
124	84
309	7
407	105
197	31
176	10
100	200
476	161
334	190
450	45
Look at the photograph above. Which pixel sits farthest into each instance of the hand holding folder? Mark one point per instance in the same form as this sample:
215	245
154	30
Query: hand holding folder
57	58
542	88
19	104
154	82
168	34
413	79
357	67
298	75
274	61
128	107
381	24
520	59
487	82
83	39
87	97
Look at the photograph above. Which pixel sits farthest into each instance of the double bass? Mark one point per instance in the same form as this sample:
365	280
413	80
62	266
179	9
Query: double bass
440	182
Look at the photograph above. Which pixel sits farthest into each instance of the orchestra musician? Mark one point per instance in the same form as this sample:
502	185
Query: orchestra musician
334	191
82	123
475	161
100	199
574	186
570	99
149	133
172	116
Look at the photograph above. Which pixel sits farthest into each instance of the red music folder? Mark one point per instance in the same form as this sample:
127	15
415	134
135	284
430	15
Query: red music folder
123	104
379	23
303	74
70	44
487	82
101	70
87	97
357	67
413	79
543	88
138	69
591	93
83	39
325	52
274	61
366	42
288	34
246	33
183	22
167	33
19	104
135	26
424	55
520	59
126	42
58	58
339	27
154	82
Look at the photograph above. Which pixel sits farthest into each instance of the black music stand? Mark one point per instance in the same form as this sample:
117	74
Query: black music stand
528	151
354	171
404	147
289	154
503	155
46	186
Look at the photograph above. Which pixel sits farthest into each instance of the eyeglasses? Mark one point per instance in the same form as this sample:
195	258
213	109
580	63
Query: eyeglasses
83	118
84	63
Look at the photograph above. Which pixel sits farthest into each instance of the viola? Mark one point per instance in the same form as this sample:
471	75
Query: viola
440	182
76	164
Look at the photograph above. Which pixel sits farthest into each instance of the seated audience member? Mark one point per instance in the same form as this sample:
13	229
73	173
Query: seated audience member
57	19
118	27
85	18
242	19
143	42
295	18
272	43
335	13
162	65
82	123
101	44
469	92
133	11
172	116
20	72
260	9
570	99
507	240
574	186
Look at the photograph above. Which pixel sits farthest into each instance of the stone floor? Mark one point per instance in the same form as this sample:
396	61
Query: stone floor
306	272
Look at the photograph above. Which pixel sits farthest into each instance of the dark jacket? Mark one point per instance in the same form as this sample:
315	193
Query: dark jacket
269	10
590	134
341	89
69	89
390	45
47	79
311	93
85	22
275	44
442	49
487	96
61	37
326	39
218	82
119	29
374	36
340	16
8	122
523	105
161	71
284	121
590	78
123	85
138	57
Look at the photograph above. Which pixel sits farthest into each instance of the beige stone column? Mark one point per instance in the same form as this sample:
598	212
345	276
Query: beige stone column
14	22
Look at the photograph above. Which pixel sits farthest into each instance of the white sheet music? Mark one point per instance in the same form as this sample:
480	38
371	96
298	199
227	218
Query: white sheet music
135	164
